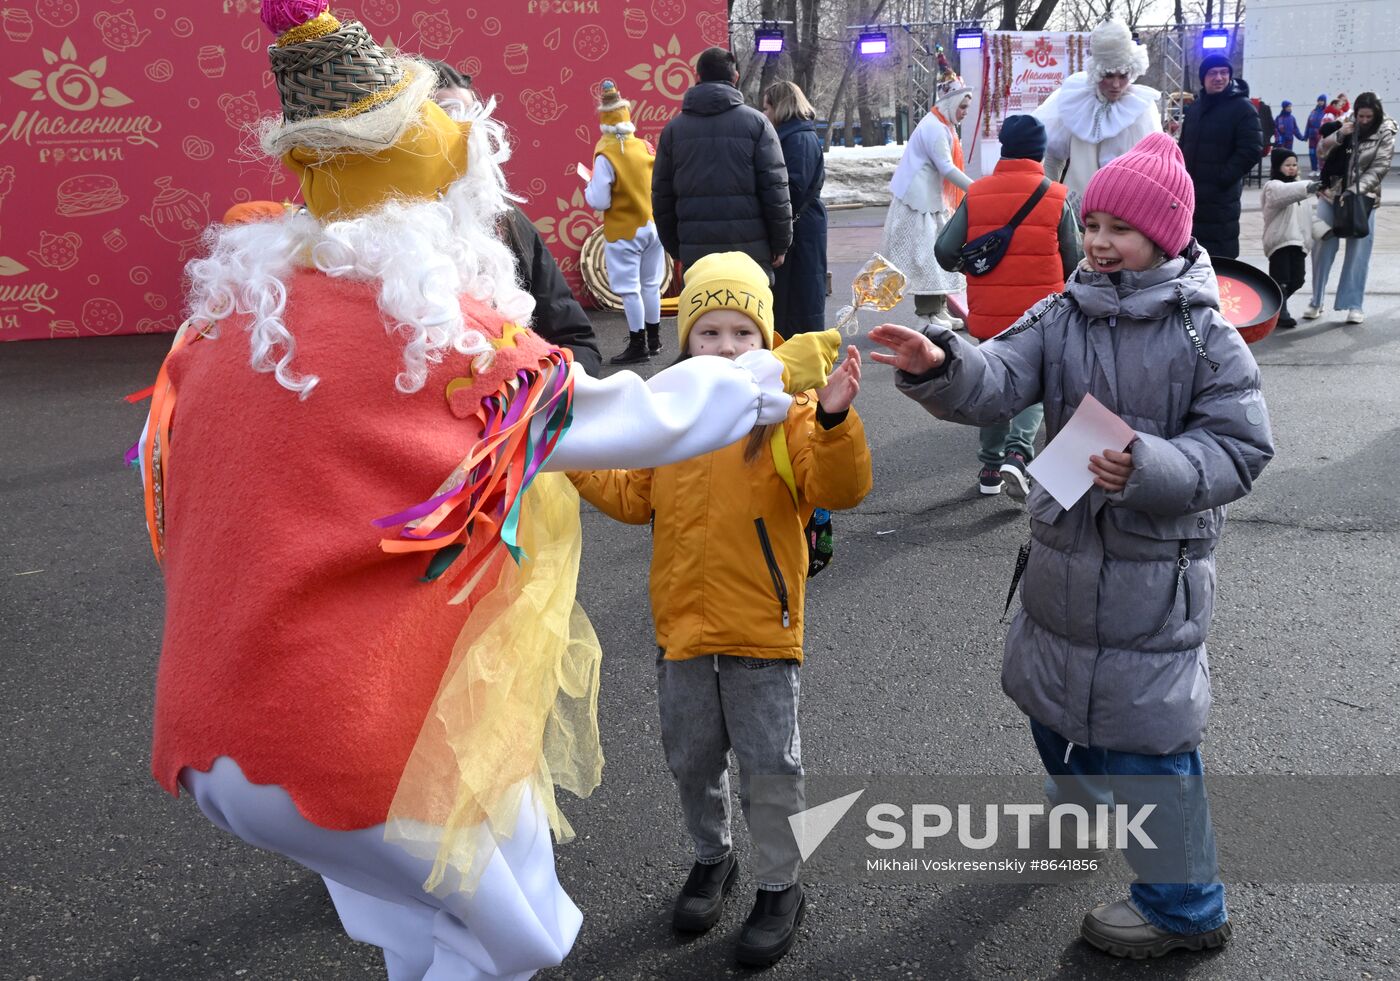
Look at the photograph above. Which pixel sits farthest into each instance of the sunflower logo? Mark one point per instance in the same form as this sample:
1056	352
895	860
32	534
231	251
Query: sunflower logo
70	84
669	74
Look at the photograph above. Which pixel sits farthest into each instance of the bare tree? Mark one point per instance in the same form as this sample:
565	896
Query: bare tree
1085	15
1019	15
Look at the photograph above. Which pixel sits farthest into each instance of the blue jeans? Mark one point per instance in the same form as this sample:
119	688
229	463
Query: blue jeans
1180	823
1351	287
1018	434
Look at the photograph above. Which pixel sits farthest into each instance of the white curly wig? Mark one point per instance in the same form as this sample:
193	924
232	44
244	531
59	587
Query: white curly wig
1112	51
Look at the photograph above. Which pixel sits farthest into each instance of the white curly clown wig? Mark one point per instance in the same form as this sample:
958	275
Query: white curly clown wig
1112	51
424	255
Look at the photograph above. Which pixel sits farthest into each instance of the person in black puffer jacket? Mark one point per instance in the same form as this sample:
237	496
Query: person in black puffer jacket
720	183
1221	139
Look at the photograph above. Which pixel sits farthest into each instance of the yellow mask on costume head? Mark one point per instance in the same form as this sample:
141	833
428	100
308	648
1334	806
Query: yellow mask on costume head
611	117
420	166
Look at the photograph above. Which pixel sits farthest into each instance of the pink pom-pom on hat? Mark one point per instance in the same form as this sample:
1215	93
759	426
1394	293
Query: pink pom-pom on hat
281	16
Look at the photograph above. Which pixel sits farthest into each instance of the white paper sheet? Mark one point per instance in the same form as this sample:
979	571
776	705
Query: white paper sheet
1062	468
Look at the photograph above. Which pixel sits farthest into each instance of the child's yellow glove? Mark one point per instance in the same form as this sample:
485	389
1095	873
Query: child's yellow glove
807	359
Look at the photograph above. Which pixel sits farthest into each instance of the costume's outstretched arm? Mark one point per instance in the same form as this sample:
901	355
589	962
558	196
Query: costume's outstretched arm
695	407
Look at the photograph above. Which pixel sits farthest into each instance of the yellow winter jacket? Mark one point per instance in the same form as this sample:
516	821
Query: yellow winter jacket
729	556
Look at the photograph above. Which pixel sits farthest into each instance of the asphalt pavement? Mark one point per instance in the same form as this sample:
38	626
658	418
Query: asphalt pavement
106	877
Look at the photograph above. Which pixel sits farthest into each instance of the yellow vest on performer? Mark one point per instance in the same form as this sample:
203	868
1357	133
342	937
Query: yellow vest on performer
631	192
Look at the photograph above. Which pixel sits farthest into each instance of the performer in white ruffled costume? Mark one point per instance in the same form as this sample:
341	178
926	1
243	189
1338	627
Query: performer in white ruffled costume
1099	114
926	189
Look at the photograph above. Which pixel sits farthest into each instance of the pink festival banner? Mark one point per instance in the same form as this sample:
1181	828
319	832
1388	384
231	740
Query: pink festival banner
126	129
1014	72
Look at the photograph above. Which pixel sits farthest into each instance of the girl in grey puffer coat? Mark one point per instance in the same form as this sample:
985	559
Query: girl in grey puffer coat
1109	646
1108	652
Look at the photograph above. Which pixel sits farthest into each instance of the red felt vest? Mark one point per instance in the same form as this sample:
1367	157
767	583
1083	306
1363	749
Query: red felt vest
293	644
1030	270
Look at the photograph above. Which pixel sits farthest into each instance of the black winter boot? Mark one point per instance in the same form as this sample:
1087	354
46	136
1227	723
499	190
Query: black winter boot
701	899
653	339
771	928
636	352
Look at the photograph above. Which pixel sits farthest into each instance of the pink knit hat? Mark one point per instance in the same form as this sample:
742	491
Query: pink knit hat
1147	187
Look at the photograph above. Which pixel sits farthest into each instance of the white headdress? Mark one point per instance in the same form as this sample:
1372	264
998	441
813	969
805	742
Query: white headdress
1112	51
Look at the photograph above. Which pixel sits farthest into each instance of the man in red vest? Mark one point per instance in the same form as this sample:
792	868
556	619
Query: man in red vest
1044	248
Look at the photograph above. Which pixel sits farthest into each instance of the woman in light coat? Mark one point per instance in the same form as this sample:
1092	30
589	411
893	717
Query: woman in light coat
1358	164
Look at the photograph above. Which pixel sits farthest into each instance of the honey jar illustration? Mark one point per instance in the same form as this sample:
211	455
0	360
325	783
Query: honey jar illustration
211	61
634	22
517	58
18	25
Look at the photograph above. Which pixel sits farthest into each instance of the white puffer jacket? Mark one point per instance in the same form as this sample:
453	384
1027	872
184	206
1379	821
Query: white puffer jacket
1286	218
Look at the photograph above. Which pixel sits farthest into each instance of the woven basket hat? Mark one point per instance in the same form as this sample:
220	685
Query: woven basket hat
612	107
325	68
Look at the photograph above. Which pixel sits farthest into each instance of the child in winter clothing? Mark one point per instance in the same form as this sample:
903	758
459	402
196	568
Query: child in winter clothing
1286	127
1107	654
1043	250
729	562
1287	226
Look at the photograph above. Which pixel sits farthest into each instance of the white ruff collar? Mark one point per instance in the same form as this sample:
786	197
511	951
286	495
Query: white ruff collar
1093	120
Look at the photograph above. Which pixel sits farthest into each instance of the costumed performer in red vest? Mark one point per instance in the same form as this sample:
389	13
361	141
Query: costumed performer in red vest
621	189
1043	250
372	659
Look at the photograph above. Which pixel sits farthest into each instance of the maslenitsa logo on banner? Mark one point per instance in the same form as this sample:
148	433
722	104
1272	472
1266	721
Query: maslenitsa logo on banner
961	829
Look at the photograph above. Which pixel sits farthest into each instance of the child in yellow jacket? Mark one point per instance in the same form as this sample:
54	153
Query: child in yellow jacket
728	573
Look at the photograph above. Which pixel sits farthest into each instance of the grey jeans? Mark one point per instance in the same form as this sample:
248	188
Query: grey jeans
715	703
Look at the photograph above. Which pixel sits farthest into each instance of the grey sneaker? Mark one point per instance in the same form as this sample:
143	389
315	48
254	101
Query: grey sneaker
1119	929
1018	480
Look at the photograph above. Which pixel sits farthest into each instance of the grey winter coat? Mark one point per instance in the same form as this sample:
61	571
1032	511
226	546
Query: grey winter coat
1108	648
720	183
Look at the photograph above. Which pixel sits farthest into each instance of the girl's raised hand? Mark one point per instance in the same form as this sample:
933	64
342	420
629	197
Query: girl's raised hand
842	385
913	352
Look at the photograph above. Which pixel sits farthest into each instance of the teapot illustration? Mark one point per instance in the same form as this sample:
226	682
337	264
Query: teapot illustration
178	216
58	252
119	31
435	29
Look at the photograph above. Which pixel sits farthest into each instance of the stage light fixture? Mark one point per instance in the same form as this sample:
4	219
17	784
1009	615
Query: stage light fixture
768	40
1215	39
873	43
967	38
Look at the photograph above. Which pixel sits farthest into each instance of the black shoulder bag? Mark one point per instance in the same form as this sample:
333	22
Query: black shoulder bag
981	255
1351	213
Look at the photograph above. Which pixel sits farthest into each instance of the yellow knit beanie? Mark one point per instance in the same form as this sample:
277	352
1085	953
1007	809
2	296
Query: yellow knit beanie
726	281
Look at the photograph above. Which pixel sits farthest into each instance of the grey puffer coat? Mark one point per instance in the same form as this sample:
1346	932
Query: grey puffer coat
1108	648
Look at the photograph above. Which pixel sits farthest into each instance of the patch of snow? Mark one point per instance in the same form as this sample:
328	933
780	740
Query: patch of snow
860	175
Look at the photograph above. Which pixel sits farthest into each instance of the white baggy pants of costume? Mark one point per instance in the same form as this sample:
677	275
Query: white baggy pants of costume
517	921
636	267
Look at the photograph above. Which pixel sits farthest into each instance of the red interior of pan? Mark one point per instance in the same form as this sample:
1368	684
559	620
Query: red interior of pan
1249	298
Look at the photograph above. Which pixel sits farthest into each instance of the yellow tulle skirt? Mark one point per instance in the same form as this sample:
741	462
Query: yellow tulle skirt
517	708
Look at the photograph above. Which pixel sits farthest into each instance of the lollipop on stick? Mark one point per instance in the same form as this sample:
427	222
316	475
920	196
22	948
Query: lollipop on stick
878	286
